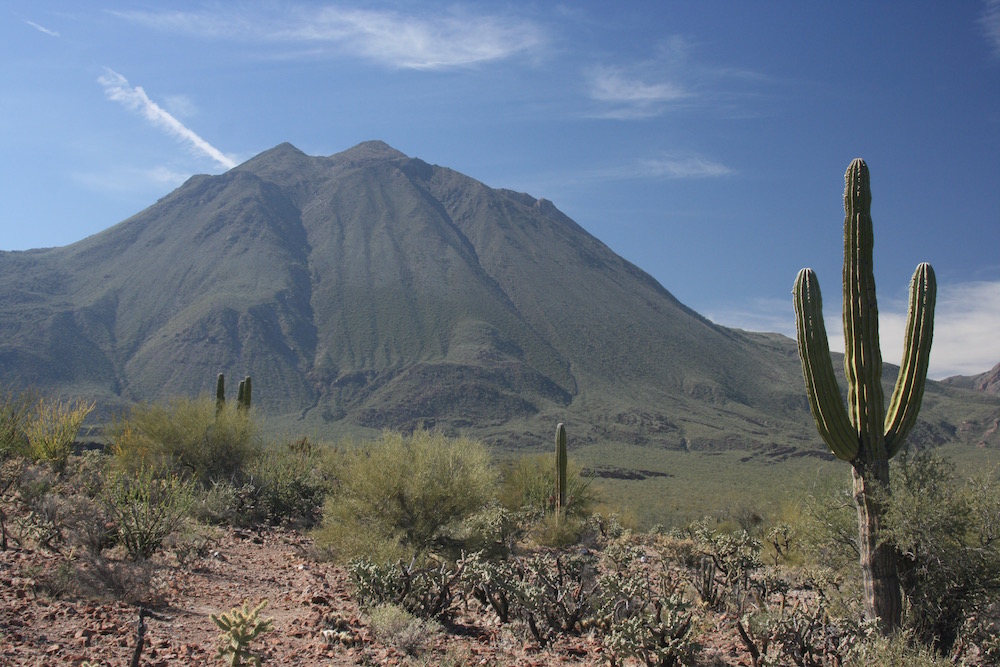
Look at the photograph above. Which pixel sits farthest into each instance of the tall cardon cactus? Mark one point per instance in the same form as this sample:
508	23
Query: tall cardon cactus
865	434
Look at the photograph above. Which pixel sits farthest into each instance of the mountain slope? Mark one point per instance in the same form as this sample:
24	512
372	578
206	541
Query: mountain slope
368	290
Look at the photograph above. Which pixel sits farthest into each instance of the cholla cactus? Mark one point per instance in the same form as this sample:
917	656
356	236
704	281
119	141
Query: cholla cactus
240	627
865	434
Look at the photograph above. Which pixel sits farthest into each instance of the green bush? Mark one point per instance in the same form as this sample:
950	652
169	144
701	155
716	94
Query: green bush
53	428
897	650
16	410
397	627
290	482
945	535
401	496
145	506
189	436
529	484
949	567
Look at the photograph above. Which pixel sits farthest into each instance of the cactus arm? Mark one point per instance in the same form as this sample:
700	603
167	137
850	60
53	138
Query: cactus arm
247	393
821	384
909	391
862	356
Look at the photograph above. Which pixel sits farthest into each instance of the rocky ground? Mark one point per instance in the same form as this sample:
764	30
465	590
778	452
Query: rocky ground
305	598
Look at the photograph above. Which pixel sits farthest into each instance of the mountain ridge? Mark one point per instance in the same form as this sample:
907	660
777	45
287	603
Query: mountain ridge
368	289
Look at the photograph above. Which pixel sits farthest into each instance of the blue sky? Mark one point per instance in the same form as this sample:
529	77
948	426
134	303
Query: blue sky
704	141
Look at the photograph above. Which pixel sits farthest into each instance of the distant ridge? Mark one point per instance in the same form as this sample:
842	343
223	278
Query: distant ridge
370	290
988	382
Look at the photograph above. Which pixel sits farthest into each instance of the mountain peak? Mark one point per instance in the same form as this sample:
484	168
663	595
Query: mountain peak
368	152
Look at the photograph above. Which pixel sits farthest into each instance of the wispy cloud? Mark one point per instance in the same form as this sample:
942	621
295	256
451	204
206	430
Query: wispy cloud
627	96
42	29
454	39
990	21
672	78
645	88
690	166
134	98
662	167
966	321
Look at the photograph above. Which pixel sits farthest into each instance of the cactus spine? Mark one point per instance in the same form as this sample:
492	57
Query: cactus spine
561	463
865	434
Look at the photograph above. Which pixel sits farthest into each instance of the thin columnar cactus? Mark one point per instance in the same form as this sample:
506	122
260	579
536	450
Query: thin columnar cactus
561	462
243	394
865	434
220	393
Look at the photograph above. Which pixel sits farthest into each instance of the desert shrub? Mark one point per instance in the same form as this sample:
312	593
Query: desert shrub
190	436
291	484
52	429
225	503
132	582
945	535
397	627
493	531
529	484
897	650
36	515
145	506
528	487
949	564
16	410
404	495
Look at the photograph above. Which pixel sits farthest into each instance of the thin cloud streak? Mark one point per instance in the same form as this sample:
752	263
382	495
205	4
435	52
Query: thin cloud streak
391	39
664	167
630	97
117	88
966	319
42	29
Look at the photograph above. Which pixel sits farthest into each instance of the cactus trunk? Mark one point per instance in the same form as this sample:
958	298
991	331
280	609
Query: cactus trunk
561	463
865	434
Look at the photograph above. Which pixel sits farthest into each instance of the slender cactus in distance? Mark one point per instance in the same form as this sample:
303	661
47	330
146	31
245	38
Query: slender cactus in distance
247	392
220	393
243	394
865	434
561	462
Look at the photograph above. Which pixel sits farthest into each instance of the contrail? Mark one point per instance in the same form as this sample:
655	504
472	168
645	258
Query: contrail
117	88
42	29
